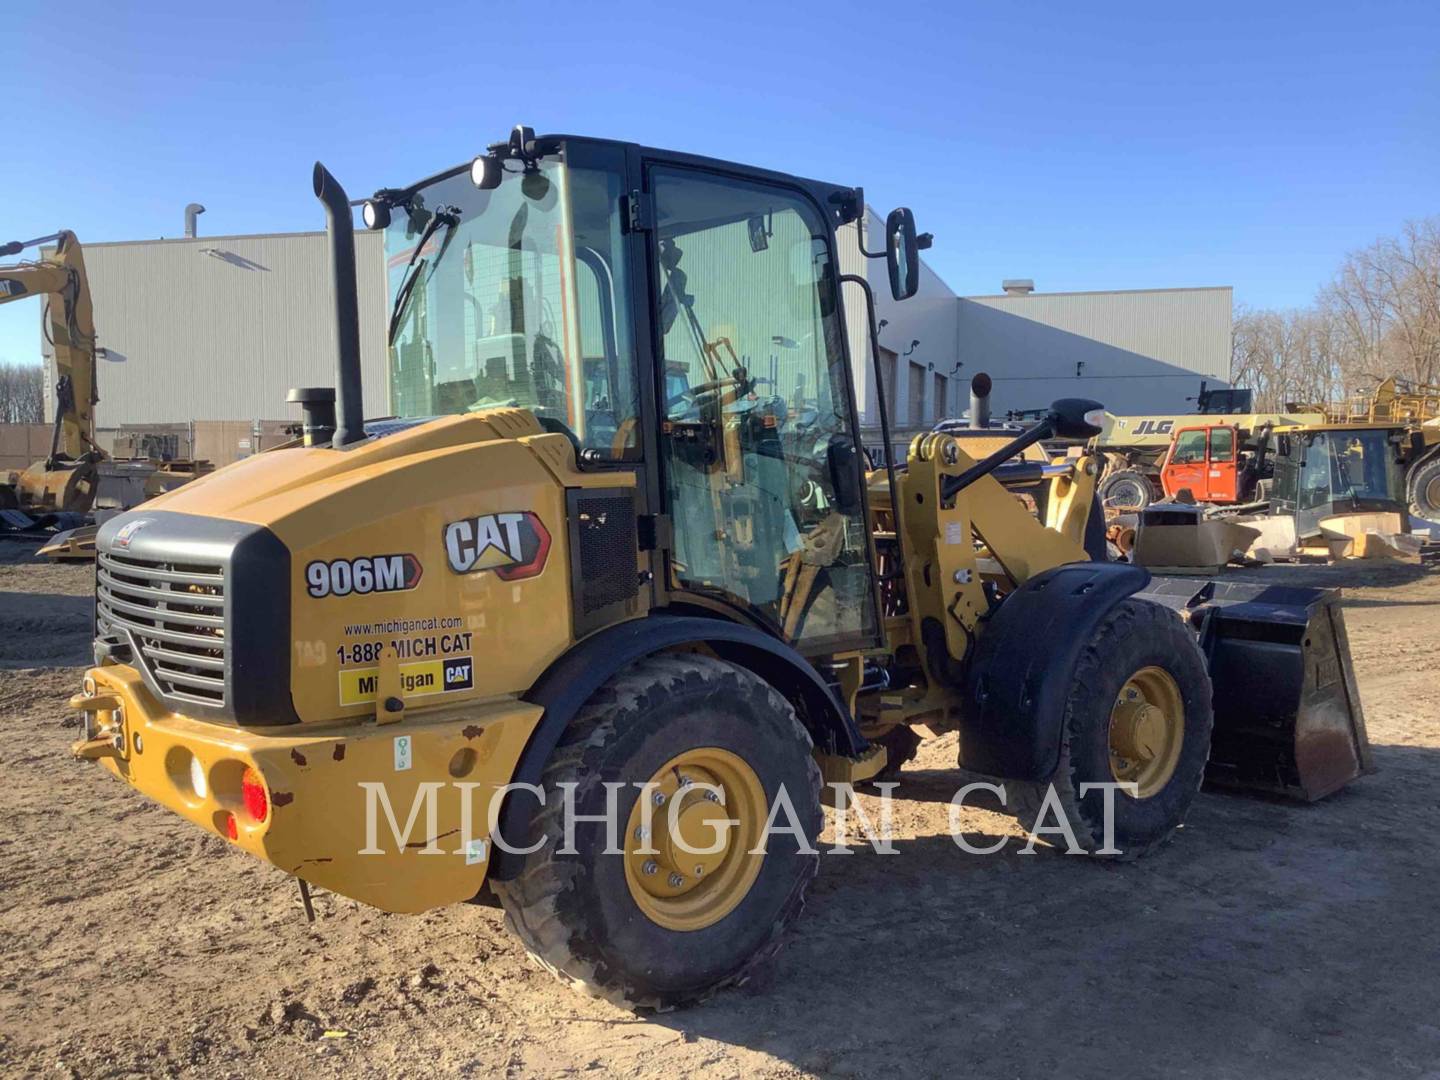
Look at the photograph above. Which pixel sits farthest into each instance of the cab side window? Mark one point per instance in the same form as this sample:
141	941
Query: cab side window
1222	444
1189	448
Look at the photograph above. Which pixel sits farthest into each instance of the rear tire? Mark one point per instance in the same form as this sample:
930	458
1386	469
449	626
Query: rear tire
587	916
1136	637
1128	489
1425	489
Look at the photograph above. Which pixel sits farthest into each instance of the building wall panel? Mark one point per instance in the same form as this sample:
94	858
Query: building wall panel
220	328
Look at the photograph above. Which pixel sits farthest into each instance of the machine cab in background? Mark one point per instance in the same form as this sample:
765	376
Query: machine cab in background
1204	461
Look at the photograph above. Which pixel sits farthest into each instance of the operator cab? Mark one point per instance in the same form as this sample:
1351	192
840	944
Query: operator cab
671	315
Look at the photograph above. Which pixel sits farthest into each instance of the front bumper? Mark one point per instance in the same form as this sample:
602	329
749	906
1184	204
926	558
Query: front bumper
394	815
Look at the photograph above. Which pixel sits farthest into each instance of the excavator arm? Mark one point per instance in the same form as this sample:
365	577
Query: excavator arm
70	326
65	479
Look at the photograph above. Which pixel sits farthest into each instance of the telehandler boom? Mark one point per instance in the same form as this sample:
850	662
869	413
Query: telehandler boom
596	634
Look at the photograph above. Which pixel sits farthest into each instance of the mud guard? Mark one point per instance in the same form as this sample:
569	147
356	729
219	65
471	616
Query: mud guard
1016	682
1287	712
568	683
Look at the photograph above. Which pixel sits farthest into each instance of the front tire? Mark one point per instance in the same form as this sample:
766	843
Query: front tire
663	929
1139	712
1128	490
1425	489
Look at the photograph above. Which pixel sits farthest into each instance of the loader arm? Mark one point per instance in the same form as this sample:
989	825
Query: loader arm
983	534
70	327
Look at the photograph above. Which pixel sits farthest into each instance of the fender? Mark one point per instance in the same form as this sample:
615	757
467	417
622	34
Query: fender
570	681
1016	685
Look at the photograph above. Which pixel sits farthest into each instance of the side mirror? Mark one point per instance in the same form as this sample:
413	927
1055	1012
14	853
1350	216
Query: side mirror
1076	418
902	253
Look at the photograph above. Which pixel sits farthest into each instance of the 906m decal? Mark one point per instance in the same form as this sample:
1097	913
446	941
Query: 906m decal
365	574
514	545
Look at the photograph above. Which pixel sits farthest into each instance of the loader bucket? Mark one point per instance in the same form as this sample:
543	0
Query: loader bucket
1287	714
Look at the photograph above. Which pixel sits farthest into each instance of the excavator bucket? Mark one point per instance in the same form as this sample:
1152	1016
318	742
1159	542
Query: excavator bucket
1287	713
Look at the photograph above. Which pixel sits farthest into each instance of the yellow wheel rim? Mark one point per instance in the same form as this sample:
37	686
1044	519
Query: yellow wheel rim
1147	731
703	799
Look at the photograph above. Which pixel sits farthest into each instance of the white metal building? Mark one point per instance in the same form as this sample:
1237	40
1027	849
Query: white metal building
219	327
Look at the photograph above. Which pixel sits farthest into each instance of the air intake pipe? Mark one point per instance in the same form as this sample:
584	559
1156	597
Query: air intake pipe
193	212
350	406
980	401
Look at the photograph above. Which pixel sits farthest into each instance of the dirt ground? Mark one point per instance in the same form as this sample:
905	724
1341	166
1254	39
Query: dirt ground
1270	939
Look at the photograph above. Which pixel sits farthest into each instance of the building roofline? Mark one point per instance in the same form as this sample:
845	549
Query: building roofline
1100	292
209	239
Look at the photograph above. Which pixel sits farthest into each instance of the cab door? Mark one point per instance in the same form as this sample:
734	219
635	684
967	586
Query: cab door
1222	478
1186	466
757	441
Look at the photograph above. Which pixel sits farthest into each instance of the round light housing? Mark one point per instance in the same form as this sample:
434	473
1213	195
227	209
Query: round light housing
252	791
485	172
198	784
1095	418
375	214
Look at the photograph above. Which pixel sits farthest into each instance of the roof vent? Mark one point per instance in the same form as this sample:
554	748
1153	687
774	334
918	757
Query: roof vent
1023	286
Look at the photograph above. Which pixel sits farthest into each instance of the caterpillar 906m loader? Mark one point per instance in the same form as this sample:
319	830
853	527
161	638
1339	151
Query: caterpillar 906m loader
619	557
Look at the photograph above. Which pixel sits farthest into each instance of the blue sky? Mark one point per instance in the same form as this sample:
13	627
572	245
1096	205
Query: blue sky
1086	145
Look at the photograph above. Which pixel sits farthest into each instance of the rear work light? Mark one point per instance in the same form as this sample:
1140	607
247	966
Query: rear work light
252	790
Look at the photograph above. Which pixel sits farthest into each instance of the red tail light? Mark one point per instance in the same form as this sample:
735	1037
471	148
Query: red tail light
252	790
232	827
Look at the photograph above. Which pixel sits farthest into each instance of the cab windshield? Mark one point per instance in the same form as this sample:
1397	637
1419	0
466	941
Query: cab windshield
509	297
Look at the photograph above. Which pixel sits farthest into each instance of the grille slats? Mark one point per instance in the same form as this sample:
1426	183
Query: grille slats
143	592
164	614
174	613
131	567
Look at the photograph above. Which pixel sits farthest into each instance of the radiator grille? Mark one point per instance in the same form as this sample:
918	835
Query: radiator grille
175	615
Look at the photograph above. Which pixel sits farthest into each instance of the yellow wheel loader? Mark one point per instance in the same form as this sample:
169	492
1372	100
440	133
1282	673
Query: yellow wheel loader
578	635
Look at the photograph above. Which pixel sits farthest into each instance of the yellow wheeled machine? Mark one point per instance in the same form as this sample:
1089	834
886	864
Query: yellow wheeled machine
586	638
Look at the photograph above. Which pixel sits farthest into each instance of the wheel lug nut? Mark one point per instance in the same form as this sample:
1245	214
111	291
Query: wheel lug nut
650	867
712	796
659	798
642	833
676	881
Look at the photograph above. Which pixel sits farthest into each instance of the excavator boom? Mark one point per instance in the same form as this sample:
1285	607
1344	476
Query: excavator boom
65	480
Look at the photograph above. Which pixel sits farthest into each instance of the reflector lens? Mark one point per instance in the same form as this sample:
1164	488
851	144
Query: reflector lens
198	783
252	790
232	827
1095	418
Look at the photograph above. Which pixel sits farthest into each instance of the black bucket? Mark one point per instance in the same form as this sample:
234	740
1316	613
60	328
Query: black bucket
1287	713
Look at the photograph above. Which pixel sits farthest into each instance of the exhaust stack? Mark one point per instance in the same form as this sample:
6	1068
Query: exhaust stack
350	407
192	212
980	401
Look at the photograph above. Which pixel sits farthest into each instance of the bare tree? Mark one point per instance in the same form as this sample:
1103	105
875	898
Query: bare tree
1387	300
1379	316
22	394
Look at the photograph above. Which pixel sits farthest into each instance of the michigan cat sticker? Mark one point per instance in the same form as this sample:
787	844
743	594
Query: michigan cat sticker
359	686
513	545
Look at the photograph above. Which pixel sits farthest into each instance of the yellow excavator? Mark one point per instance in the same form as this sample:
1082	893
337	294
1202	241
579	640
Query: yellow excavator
65	480
576	637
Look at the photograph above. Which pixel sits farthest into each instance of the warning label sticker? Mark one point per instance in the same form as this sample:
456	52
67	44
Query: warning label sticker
359	686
